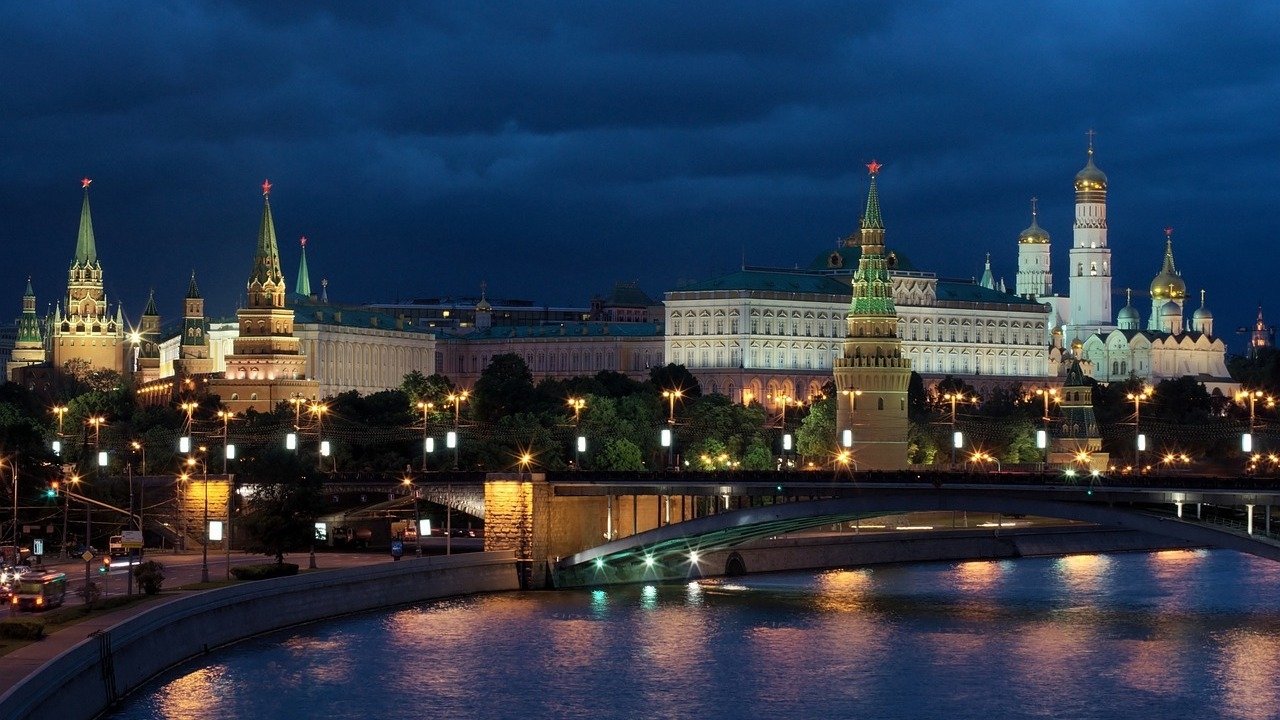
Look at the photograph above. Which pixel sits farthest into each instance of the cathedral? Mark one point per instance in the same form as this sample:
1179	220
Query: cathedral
1117	347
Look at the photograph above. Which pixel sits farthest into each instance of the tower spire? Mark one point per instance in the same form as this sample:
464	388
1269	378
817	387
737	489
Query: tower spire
193	292
303	286
988	280
151	304
86	248
871	218
266	284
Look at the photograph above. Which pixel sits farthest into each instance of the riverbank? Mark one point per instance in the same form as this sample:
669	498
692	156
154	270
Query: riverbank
86	675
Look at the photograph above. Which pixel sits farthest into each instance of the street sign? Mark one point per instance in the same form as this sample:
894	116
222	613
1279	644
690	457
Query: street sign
86	556
37	547
131	539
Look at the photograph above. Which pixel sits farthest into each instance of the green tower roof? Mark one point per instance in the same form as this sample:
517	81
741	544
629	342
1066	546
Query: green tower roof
193	292
151	304
266	259
86	249
303	286
871	218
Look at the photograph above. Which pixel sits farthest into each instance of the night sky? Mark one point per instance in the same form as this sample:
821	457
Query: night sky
553	149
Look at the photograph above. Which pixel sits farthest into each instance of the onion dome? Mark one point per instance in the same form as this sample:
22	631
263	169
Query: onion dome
1128	315
1168	285
1090	178
1202	312
1170	310
1076	346
1034	234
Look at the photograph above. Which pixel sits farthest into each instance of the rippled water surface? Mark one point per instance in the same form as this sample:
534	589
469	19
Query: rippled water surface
1163	635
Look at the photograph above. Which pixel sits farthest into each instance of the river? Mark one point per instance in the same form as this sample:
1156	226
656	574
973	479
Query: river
1180	634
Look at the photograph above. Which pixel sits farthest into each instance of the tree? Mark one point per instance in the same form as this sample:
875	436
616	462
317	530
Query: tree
757	456
618	454
816	437
505	387
433	389
282	511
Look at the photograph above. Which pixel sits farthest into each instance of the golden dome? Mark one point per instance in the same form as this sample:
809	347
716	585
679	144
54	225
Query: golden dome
1090	178
1168	285
1034	234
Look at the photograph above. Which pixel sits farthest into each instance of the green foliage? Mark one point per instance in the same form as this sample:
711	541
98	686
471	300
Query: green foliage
281	513
264	572
517	434
717	418
922	443
757	457
816	438
917	398
21	629
618	453
433	389
504	388
150	576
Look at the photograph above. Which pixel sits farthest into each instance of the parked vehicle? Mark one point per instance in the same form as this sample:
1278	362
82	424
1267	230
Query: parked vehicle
40	592
115	546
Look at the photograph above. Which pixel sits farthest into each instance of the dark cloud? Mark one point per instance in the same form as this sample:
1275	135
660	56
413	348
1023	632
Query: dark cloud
551	149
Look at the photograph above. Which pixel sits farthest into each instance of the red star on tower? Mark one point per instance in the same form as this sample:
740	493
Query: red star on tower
84	182
303	241
874	167
1168	232
266	187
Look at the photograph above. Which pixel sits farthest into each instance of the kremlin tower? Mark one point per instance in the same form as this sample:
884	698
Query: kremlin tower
85	331
871	376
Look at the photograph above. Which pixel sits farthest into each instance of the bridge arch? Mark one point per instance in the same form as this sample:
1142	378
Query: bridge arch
666	552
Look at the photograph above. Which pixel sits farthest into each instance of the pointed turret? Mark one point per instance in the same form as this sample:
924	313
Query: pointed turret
28	349
29	324
151	310
194	343
303	286
86	248
1168	286
871	218
988	280
266	283
193	292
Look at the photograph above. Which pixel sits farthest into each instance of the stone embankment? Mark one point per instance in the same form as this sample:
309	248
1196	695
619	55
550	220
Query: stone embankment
88	678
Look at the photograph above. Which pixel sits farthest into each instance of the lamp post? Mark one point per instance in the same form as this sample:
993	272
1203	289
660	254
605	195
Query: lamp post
954	398
66	514
1253	396
96	421
60	411
13	466
318	410
425	407
297	403
204	546
577	404
1049	395
417	518
671	396
1138	398
225	416
457	398
189	407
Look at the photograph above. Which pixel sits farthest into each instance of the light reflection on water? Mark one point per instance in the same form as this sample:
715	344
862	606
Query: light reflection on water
1165	634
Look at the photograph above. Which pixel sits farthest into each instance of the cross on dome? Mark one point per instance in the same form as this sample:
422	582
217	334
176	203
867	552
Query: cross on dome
266	187
1091	133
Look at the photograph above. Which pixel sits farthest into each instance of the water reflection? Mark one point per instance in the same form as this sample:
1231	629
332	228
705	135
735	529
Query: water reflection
1083	637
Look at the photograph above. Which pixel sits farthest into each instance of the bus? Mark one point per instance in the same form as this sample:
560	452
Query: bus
40	592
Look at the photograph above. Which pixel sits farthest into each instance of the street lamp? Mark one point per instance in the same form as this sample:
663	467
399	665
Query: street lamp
96	421
13	466
225	416
318	410
425	407
297	403
953	398
60	411
1253	396
417	518
580	444
457	398
671	396
189	407
204	546
1138	398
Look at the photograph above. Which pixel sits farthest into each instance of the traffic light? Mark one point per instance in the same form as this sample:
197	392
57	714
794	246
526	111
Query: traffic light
106	564
52	491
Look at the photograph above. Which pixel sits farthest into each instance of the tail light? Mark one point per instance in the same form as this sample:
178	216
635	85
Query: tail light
39	601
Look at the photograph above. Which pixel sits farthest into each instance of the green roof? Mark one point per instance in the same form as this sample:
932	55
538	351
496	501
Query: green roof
957	291
86	249
772	281
577	330
306	310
